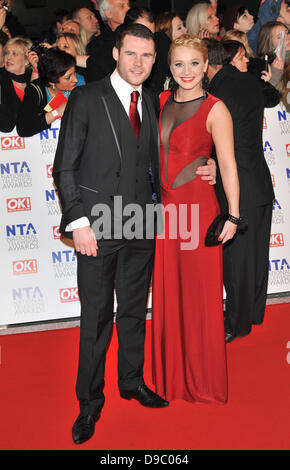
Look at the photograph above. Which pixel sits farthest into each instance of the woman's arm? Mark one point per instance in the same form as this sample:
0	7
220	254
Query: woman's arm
220	125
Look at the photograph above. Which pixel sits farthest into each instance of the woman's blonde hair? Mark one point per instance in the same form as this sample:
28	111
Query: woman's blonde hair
191	41
196	17
82	33
234	34
76	40
24	44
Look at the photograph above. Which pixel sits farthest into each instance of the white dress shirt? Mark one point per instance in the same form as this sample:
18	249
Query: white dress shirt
123	90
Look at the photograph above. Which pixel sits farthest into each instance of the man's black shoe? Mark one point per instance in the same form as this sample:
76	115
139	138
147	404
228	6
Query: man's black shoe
84	428
145	396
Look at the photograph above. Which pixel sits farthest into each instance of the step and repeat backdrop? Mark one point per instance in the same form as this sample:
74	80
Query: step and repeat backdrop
38	267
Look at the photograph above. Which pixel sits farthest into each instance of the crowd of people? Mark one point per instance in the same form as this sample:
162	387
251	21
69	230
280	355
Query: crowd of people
214	77
88	34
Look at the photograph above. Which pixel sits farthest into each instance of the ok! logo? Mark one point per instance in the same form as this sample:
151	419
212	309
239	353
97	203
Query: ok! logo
276	240
69	294
24	266
49	169
13	142
18	204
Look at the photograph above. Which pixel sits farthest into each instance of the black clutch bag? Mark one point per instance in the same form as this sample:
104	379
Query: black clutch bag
216	228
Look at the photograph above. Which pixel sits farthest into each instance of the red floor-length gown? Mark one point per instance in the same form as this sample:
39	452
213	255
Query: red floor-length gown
188	346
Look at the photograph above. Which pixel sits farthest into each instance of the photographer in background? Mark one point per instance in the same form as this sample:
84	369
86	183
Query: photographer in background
12	27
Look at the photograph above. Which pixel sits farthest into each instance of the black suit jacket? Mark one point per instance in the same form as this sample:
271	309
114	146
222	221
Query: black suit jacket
242	94
93	139
101	62
9	103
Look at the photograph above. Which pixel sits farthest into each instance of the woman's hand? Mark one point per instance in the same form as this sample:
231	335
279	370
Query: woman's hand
278	63
60	109
47	45
6	31
266	75
228	232
203	33
33	58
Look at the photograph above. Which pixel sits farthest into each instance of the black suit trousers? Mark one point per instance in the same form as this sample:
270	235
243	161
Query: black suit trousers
245	272
127	267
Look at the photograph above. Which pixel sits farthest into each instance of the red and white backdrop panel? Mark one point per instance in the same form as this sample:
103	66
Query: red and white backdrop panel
38	268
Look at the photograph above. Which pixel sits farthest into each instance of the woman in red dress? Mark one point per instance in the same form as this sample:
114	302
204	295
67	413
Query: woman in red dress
189	359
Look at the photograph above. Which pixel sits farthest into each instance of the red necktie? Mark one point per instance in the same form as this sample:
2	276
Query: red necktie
133	113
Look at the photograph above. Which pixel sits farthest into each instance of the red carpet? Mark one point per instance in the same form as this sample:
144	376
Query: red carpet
38	404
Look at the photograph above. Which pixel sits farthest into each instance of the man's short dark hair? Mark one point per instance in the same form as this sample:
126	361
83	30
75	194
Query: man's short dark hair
135	13
216	53
132	29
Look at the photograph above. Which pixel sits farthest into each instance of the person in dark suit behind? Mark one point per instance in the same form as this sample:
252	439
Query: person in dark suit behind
100	61
245	259
89	23
94	5
99	159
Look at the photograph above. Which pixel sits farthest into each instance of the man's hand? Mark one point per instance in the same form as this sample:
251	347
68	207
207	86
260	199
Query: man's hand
85	241
2	17
208	171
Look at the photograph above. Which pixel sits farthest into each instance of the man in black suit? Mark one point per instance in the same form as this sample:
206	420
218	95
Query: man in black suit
245	258
107	149
100	161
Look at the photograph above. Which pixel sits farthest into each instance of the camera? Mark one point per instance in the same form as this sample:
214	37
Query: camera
4	5
38	48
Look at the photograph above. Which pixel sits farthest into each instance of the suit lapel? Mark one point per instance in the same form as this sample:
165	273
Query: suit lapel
114	112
